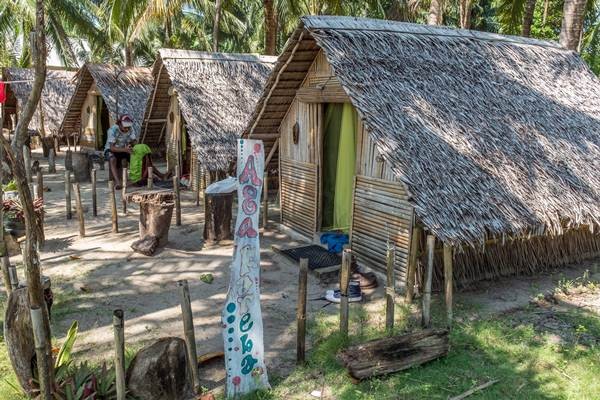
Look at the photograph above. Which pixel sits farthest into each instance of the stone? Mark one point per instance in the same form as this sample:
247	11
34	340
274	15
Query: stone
159	372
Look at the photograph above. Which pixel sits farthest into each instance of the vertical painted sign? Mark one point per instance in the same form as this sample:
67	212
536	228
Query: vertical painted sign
242	319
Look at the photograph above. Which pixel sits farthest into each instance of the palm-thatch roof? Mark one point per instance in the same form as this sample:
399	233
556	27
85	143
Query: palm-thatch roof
56	94
491	134
127	86
217	93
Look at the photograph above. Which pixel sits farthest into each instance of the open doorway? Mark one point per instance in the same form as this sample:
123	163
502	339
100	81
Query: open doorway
339	165
102	123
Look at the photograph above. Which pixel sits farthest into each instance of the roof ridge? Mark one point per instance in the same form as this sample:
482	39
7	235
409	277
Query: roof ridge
185	54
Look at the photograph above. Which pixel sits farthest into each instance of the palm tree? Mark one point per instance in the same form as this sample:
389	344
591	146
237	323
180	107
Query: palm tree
571	30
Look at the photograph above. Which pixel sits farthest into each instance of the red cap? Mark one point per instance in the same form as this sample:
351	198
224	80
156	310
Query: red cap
125	120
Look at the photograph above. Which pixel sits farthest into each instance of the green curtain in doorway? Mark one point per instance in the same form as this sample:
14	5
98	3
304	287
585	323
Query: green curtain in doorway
339	161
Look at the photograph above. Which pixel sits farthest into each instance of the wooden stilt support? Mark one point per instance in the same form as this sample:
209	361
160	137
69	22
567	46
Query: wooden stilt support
176	180
448	279
68	193
426	316
40	185
94	192
265	217
198	184
14	278
188	330
124	191
27	162
301	312
344	283
41	344
79	206
113	207
52	162
119	330
150	178
390	290
412	263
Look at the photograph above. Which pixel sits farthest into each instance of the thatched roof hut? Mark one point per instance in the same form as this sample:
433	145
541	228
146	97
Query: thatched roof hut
215	93
490	136
57	92
123	90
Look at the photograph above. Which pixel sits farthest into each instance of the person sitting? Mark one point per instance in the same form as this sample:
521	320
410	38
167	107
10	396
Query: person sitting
118	146
138	167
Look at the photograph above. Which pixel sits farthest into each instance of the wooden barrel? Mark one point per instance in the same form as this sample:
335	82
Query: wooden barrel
217	216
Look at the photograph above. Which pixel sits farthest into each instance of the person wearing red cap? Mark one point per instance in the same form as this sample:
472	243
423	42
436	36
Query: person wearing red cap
120	138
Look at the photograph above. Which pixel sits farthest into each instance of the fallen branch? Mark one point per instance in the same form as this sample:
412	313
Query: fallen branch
475	389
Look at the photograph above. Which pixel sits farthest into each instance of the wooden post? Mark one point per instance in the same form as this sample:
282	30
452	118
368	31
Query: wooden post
265	219
79	210
40	185
176	180
448	279
94	193
41	343
119	330
188	330
124	191
113	206
27	162
426	316
14	278
198	184
3	250
150	178
390	290
68	193
52	162
301	311
412	263
344	283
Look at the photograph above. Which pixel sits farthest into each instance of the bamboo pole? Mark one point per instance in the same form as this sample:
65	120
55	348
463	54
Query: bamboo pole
301	312
52	162
176	180
150	178
113	207
265	219
124	191
119	331
188	330
390	290
448	279
412	263
79	206
344	283
94	192
426	316
41	343
68	194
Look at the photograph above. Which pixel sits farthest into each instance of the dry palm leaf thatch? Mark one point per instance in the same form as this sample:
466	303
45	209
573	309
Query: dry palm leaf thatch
217	93
57	92
490	134
125	88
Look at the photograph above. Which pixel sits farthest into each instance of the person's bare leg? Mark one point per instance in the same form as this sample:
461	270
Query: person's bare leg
112	162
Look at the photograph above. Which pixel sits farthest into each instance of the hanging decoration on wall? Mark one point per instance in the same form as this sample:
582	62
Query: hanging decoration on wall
242	319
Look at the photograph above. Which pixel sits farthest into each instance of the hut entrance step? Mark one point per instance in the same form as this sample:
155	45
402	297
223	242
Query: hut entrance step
320	260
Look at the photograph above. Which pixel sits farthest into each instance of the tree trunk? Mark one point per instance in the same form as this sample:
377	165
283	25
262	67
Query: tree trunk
528	17
572	23
270	27
32	225
436	12
128	55
216	25
465	14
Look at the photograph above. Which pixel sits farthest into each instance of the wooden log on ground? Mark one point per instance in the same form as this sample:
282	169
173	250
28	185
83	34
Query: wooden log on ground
52	162
390	290
385	356
344	283
426	315
113	206
79	206
188	331
217	217
94	192
119	334
301	312
68	194
176	180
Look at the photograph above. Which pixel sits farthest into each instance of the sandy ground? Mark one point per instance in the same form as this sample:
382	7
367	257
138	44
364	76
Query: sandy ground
97	274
